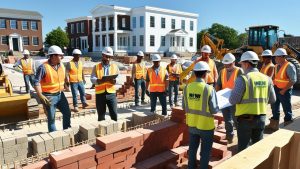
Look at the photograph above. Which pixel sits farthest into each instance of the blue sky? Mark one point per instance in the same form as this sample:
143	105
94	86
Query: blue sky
237	14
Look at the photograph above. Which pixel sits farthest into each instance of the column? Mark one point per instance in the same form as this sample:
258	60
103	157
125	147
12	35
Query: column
10	43
106	22
115	33
21	43
107	39
93	33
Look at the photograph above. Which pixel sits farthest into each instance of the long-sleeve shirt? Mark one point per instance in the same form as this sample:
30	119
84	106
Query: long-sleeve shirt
238	91
106	72
41	72
18	63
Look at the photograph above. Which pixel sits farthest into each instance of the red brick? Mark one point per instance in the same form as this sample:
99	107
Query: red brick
83	151
219	117
119	159
182	152
172	166
92	167
155	162
169	156
222	130
100	152
218	150
216	161
104	159
146	133
104	166
62	158
38	165
224	142
70	166
112	140
121	165
219	136
87	163
121	153
136	136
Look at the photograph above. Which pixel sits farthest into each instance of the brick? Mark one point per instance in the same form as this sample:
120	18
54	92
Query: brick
219	117
169	156
8	142
83	151
104	159
65	139
146	133
136	137
38	165
219	136
70	166
216	161
22	138
119	159
219	150
87	131
38	145
48	141
87	163
112	140
57	140
95	167
62	158
153	162
100	152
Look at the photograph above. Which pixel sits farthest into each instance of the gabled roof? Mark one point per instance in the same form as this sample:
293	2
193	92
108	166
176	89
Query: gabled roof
83	18
178	32
22	14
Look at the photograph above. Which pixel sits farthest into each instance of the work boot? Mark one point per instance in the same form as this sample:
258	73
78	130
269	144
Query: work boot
76	109
229	139
287	122
143	102
84	105
273	125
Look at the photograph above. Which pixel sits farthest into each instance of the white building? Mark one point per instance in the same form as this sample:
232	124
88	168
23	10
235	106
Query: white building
149	29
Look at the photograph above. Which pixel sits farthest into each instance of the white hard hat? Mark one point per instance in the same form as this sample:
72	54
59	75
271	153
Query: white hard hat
55	50
206	49
228	58
156	57
249	56
140	53
201	66
267	53
174	56
280	52
76	52
26	52
108	51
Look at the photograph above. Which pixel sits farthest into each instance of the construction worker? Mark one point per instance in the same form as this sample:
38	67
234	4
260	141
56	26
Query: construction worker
139	72
174	71
49	86
251	94
284	78
28	67
226	79
157	82
268	67
105	87
200	103
74	70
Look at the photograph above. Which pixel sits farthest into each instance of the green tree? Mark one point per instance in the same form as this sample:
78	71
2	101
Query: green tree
242	39
57	37
199	36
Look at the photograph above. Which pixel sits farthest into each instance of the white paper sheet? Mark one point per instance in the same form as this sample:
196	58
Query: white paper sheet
223	98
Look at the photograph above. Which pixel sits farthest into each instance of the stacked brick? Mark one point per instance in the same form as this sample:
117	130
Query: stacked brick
142	118
126	92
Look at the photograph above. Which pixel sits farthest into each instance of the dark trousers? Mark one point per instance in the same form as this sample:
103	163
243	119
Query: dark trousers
139	83
110	100
162	99
229	119
28	79
173	85
250	130
285	100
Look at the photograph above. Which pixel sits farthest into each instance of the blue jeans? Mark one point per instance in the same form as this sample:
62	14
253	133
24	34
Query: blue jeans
173	85
206	137
28	79
137	84
110	100
285	100
229	119
58	101
162	99
250	130
75	87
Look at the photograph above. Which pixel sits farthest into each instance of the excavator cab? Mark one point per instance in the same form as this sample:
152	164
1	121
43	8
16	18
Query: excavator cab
263	36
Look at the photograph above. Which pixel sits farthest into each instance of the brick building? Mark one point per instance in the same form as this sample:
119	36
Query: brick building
80	33
20	30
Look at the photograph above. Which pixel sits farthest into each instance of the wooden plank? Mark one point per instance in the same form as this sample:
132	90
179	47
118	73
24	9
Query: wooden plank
295	152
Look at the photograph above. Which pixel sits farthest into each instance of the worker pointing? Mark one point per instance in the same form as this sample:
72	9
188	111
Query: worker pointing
139	72
267	67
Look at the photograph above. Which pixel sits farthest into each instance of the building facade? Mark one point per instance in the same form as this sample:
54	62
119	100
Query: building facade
80	33
149	29
20	30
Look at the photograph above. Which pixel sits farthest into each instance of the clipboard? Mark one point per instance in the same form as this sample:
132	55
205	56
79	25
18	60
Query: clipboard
109	77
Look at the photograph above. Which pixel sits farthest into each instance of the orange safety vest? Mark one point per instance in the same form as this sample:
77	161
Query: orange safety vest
210	76
140	71
54	80
230	82
176	69
281	79
157	82
106	86
27	67
265	68
75	73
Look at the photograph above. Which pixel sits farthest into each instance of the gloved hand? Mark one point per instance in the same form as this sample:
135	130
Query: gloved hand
148	93
44	100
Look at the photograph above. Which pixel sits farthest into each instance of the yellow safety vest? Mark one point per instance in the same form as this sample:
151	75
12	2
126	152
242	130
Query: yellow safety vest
27	67
176	69
256	96
140	70
75	73
196	97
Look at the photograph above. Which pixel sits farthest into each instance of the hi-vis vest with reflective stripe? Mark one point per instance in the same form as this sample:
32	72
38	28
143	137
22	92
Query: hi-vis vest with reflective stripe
210	76
54	80
230	82
265	68
281	79
140	70
256	96
106	86
176	69
27	66
196	97
75	73
157	82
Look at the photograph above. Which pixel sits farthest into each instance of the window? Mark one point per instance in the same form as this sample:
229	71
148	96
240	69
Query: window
163	41
35	41
72	43
152	40
13	24
152	21
182	42
77	41
77	28
4	40
82	27
173	24
123	23
24	25
163	22
191	25
142	21
97	37
183	24
141	40
133	40
134	22
26	40
191	42
34	25
2	24
72	28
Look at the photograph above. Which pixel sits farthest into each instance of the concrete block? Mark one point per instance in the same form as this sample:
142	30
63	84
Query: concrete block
8	150
38	145
104	128
57	140
48	140
8	142
87	131
71	133
22	145
65	139
21	139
